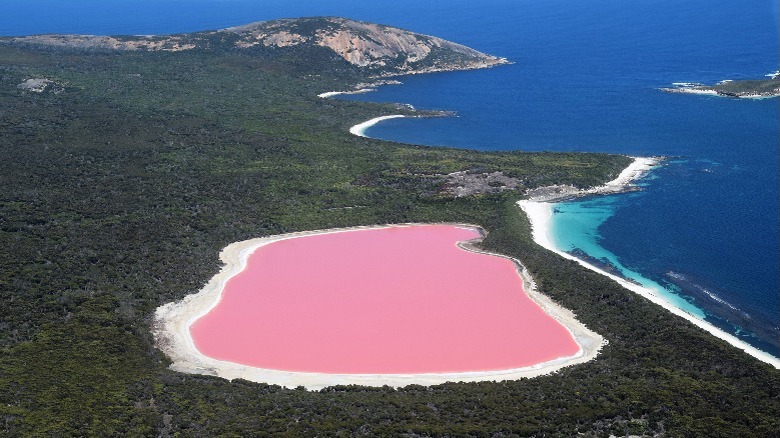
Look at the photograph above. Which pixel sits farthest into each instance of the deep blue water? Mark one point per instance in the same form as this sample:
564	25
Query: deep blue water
585	78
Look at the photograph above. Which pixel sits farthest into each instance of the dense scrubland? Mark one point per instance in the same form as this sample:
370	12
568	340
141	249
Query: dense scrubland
120	185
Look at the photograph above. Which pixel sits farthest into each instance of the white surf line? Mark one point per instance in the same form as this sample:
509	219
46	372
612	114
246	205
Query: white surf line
361	128
540	215
172	322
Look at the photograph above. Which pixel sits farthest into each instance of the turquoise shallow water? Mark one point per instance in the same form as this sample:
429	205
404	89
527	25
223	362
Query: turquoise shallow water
576	227
585	78
654	249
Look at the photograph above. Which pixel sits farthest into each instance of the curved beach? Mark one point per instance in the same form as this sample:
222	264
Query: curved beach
540	212
173	321
361	128
328	94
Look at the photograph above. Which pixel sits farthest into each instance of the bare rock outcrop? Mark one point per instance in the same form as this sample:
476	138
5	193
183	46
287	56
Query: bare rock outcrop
381	50
367	44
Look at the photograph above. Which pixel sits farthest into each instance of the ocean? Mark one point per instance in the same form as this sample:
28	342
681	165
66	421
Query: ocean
585	78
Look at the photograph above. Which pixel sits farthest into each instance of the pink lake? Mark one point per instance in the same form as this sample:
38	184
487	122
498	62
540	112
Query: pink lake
394	300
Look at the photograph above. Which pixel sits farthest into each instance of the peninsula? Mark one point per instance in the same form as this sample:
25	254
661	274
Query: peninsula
749	89
372	49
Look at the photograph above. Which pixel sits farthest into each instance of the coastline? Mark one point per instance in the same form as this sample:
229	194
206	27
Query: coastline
361	128
716	93
172	336
539	210
336	93
759	88
622	183
360	88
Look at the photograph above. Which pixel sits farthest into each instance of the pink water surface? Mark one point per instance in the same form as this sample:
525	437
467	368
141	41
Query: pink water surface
392	300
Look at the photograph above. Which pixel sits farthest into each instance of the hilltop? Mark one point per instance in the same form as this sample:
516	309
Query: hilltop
372	48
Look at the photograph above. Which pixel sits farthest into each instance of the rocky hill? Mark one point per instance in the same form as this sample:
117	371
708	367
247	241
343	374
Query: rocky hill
378	49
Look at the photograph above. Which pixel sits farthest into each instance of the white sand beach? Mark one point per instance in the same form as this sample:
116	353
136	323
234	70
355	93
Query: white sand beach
360	128
634	171
638	167
172	322
540	215
365	87
336	93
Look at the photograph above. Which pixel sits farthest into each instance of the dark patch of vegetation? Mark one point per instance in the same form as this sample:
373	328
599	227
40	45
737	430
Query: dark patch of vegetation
117	195
749	87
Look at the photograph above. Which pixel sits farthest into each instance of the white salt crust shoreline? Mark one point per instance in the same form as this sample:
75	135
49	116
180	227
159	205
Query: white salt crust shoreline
540	214
173	320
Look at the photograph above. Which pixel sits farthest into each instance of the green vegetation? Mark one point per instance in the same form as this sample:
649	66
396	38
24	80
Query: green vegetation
757	87
118	193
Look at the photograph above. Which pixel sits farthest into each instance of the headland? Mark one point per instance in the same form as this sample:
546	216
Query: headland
741	89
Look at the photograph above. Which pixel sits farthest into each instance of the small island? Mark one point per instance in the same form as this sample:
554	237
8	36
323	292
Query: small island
747	89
